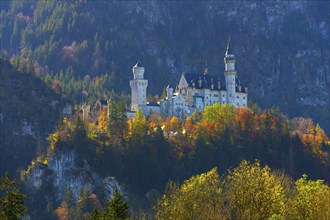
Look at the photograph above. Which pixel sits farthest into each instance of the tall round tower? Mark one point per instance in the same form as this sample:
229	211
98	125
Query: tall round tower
230	75
138	87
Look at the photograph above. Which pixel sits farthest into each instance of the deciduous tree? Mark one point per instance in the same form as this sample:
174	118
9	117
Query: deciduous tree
197	198
253	192
311	200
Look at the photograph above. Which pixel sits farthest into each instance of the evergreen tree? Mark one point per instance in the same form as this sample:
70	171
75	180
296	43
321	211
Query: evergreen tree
11	200
117	120
111	116
79	130
95	215
116	208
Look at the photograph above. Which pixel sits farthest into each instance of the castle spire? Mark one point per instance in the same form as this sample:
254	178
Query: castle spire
206	70
228	50
138	64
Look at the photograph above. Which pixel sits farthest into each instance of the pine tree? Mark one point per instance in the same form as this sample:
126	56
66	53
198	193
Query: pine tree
117	209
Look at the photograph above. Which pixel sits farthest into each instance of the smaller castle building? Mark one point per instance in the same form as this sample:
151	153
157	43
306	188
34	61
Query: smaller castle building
193	92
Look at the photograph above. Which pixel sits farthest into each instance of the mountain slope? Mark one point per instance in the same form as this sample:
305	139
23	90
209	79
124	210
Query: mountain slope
282	48
29	111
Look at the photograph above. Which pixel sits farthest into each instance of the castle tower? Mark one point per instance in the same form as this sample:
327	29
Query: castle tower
169	92
230	75
138	87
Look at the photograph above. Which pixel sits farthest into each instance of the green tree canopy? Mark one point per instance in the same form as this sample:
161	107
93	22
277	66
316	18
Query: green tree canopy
11	200
116	208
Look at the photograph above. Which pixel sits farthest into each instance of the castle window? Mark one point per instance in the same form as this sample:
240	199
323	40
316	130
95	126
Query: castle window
223	102
215	95
243	97
223	95
237	97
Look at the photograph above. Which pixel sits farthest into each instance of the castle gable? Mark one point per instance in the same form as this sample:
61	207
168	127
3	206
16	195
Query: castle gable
183	83
201	81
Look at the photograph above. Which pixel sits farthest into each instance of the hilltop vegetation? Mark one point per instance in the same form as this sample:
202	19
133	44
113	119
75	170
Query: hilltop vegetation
145	153
221	136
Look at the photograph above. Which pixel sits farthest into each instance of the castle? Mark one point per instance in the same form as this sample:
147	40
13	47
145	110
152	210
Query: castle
194	91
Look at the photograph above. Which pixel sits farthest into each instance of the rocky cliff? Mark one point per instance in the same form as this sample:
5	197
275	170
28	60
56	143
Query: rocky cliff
61	172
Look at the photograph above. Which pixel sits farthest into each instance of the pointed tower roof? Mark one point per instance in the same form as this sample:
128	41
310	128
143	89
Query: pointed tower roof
206	70
229	54
170	86
138	64
228	50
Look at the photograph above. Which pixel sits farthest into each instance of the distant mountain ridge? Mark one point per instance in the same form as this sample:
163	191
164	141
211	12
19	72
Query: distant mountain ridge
282	48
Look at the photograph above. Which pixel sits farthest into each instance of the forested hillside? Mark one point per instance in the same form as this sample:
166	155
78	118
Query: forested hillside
282	48
29	111
141	155
259	162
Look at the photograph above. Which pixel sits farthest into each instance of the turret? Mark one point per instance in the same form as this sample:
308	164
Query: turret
200	82
138	71
169	91
206	70
230	74
138	87
229	59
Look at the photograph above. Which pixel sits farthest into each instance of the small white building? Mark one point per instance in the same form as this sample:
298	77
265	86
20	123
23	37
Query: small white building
194	91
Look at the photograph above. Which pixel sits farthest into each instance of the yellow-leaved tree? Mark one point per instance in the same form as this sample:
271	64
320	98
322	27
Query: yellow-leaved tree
311	200
197	198
247	192
254	193
137	128
102	125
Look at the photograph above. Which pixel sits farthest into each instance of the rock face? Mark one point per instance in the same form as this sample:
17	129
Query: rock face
29	111
281	47
61	173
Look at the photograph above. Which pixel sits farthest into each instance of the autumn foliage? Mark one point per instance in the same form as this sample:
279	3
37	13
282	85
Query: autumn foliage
144	153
